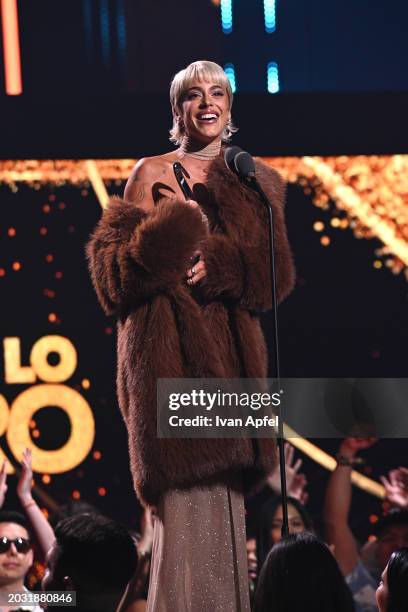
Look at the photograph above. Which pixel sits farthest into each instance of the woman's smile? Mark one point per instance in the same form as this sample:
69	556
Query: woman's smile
206	105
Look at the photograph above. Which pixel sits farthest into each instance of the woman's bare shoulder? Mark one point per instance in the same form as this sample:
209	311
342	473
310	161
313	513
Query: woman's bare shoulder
146	172
152	168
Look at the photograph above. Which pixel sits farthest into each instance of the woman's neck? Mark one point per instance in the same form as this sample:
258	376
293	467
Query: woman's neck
15	585
198	150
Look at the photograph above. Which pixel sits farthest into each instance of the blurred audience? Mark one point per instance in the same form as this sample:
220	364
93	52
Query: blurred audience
94	556
73	507
270	520
362	571
97	557
16	549
392	592
299	574
264	524
16	556
88	553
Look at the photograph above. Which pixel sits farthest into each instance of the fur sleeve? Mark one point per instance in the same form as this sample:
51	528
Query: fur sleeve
238	263
133	254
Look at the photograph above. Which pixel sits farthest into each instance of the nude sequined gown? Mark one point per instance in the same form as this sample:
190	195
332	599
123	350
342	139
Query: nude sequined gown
199	561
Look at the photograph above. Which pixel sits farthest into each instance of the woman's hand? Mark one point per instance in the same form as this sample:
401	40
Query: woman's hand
396	487
351	446
26	479
197	272
41	527
3	483
296	482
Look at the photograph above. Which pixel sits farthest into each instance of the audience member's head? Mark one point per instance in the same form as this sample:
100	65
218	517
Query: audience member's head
94	556
392	593
270	521
392	534
16	554
71	508
300	573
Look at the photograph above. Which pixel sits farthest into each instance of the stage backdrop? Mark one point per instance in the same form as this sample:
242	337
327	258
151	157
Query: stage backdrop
348	226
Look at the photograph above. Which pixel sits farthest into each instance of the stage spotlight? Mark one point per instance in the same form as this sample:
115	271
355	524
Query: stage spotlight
230	72
273	77
226	16
270	15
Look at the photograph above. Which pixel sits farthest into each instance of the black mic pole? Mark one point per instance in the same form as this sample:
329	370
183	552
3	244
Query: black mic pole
245	167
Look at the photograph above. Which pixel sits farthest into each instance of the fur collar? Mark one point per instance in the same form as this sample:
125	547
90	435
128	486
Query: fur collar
234	208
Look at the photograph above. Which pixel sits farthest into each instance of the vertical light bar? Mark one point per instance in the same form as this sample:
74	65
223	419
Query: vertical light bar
270	15
121	29
105	31
273	77
88	23
11	47
230	72
226	16
97	182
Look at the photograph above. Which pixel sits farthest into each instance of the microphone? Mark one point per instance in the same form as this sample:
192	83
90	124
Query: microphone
229	157
245	165
180	173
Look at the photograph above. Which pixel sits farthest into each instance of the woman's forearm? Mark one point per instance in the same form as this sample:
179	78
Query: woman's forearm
133	255
41	527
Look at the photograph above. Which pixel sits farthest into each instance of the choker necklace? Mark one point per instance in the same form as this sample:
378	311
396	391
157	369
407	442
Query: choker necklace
190	149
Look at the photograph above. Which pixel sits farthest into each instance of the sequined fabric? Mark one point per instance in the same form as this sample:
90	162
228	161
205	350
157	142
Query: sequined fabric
199	561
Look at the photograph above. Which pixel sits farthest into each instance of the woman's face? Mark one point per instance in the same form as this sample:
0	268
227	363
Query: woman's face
382	592
296	524
205	111
252	558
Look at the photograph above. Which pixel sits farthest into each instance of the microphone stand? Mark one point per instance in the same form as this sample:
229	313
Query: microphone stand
253	184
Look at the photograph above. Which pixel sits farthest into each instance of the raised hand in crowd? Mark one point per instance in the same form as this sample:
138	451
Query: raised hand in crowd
25	483
40	525
396	487
350	447
338	502
297	489
362	568
3	483
295	482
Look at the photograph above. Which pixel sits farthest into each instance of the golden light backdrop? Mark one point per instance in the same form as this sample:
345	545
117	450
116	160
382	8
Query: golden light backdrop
367	194
16	420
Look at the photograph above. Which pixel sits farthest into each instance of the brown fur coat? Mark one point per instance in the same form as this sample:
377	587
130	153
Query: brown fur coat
167	329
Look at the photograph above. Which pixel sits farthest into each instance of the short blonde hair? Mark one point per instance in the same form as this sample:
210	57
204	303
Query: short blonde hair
200	71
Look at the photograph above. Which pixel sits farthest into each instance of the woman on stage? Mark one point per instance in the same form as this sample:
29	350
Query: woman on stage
181	319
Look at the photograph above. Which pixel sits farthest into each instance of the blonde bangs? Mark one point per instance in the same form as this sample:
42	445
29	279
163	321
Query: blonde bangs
203	71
